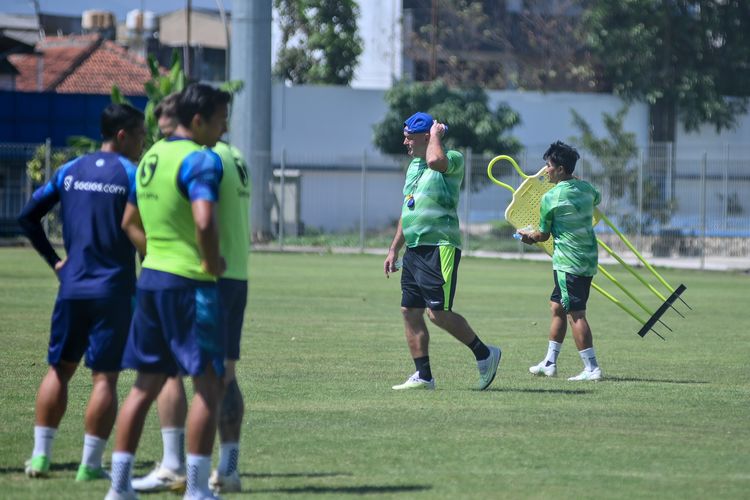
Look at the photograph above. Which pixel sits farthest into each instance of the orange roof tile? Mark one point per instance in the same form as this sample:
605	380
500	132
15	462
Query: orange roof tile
81	64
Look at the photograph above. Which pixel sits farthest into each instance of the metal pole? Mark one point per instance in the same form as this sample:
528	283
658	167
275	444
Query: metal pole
186	55
47	174
251	117
223	16
703	210
639	236
467	199
282	196
725	205
363	202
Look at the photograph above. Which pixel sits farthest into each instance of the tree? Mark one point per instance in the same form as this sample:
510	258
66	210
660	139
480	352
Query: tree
319	43
615	153
683	57
529	45
471	124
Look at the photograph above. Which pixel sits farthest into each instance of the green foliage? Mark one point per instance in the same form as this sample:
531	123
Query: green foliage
686	55
319	42
160	86
615	153
471	124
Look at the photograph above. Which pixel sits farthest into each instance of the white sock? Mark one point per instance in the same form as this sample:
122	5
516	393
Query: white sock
173	457
553	350
122	465
43	438
93	449
229	454
198	470
589	358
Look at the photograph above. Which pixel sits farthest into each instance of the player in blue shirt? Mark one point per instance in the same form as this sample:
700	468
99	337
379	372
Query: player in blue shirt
97	281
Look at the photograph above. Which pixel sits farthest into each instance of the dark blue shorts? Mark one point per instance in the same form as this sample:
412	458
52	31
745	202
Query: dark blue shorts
97	327
233	299
429	276
571	291
176	332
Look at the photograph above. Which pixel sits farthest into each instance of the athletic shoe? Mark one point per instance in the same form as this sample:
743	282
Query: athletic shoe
37	466
225	484
414	382
488	367
201	496
161	479
125	495
544	369
595	374
86	473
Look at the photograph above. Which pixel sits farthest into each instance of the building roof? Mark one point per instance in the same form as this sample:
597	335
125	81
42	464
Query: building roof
84	64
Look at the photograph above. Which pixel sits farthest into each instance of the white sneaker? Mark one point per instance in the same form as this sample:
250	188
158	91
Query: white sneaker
161	479
595	374
201	496
225	484
543	369
125	495
414	382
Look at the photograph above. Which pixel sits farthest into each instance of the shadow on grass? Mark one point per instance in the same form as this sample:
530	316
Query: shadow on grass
609	378
364	489
67	467
293	474
572	392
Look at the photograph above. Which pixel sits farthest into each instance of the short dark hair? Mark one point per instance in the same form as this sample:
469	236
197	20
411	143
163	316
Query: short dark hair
116	117
167	106
200	99
562	154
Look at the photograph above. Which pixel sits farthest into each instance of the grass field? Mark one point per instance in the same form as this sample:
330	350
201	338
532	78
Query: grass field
324	343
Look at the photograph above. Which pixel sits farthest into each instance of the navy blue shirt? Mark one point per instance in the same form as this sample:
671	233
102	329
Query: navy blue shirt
92	191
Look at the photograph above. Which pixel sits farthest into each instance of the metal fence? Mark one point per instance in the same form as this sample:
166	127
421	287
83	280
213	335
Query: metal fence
690	205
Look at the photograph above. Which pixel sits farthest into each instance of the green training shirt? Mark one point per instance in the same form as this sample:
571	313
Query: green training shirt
432	220
234	196
567	212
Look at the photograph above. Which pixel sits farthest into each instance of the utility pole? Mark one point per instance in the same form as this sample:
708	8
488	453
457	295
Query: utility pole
186	53
250	129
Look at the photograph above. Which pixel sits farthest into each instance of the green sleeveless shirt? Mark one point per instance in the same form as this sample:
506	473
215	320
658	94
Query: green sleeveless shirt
234	196
166	212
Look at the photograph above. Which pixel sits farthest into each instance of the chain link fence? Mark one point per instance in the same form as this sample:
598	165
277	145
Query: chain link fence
688	207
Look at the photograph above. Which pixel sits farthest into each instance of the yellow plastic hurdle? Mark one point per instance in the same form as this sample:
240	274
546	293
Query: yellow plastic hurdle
523	211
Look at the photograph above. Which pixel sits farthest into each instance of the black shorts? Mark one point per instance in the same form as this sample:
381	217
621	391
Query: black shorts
428	277
571	291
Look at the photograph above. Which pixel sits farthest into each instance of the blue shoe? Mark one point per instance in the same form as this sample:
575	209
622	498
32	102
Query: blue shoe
488	367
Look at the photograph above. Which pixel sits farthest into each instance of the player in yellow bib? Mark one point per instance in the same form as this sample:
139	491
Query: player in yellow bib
176	325
233	210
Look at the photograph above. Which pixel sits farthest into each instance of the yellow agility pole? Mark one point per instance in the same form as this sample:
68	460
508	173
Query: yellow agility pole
523	211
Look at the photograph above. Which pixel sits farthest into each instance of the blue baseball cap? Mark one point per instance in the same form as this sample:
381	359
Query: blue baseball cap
418	123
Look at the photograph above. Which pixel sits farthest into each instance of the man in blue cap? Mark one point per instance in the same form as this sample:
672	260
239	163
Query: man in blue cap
429	227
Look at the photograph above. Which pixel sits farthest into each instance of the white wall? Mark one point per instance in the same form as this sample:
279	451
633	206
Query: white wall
332	128
335	124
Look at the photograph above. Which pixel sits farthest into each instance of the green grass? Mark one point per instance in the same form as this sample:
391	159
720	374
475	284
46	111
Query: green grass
324	342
